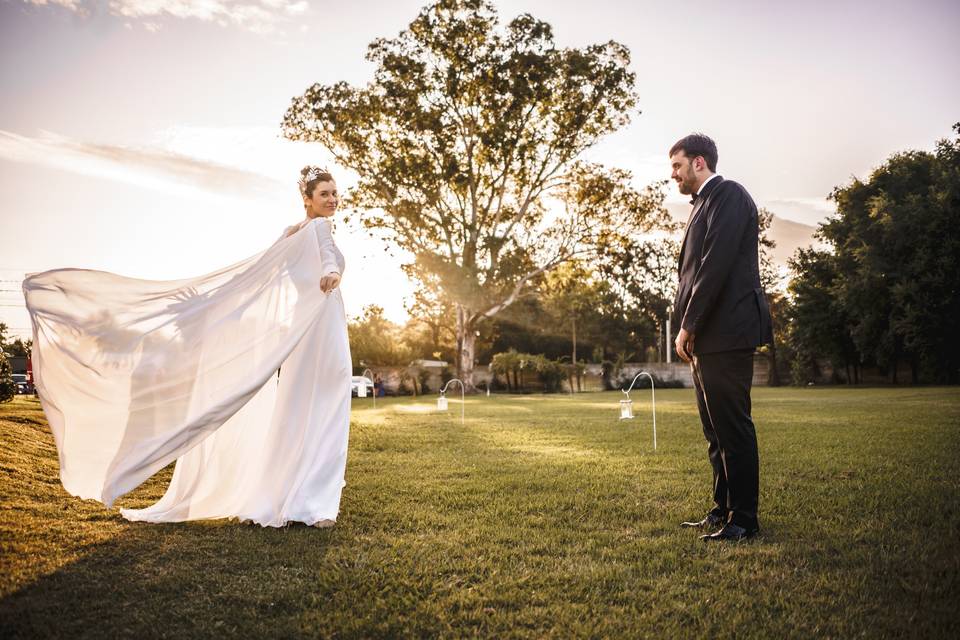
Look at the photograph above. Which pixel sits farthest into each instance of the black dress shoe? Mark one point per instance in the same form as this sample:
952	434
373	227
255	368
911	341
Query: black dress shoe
732	532
710	522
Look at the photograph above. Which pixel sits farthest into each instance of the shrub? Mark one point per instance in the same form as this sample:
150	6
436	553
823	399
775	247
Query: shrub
550	372
8	389
424	377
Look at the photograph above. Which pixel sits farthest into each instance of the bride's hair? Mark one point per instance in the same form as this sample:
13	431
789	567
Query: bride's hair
310	177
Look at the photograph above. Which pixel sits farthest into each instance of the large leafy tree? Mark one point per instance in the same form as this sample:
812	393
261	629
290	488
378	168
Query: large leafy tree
569	298
819	326
642	272
431	332
897	244
468	143
770	279
8	389
607	324
16	347
374	340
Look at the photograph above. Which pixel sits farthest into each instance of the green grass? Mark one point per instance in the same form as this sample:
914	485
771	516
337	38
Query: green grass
543	516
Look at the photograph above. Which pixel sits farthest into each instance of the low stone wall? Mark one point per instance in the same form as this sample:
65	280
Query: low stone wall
399	380
669	372
592	379
673	372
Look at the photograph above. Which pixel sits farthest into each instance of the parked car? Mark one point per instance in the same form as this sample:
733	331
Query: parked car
23	385
355	383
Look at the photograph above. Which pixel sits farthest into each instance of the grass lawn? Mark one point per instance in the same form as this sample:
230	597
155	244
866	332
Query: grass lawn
543	516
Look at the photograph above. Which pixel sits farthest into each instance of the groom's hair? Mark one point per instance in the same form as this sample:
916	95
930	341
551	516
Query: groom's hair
697	144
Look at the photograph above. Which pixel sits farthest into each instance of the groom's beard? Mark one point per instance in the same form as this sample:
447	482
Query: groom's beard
686	185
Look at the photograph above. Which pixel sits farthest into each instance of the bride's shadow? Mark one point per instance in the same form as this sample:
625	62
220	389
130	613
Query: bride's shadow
173	580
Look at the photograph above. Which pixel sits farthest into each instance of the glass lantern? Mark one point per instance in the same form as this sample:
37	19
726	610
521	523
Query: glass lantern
626	409
442	403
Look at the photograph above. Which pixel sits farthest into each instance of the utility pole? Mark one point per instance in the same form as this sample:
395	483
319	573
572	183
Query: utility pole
669	335
574	324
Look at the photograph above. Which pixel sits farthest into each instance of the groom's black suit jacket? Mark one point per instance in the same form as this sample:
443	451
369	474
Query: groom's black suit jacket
719	298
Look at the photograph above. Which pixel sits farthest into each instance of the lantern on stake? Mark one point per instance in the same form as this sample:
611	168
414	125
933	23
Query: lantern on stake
626	404
442	404
362	390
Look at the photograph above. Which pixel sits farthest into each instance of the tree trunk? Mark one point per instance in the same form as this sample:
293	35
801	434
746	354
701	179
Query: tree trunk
773	379
896	361
896	357
574	361
466	340
574	323
660	342
460	324
435	331
466	361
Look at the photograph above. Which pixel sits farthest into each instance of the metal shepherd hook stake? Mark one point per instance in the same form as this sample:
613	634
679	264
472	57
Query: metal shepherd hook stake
365	371
626	405
442	400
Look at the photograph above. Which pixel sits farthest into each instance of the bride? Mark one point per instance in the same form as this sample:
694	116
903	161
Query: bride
241	375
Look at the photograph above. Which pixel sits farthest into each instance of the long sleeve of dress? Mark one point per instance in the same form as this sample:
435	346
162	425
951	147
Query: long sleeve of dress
328	250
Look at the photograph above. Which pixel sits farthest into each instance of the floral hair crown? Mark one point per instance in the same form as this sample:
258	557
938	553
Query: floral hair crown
312	174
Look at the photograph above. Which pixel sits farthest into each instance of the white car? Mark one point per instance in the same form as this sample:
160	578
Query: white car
357	381
23	385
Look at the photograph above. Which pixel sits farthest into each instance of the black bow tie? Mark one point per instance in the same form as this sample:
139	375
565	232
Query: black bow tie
693	200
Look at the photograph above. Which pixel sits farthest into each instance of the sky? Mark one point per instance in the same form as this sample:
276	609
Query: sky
142	136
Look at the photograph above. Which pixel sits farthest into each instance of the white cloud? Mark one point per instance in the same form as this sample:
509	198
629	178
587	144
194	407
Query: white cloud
291	8
258	16
73	5
820	204
257	149
806	210
297	8
223	162
153	168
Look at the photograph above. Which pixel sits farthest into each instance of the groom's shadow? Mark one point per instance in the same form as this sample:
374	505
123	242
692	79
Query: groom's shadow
173	580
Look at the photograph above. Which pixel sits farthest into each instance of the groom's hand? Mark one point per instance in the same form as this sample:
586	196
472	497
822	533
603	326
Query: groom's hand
684	345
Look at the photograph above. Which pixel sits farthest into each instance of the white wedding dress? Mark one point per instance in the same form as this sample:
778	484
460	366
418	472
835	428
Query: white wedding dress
134	374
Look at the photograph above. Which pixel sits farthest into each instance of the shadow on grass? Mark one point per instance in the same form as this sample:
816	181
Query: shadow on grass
190	579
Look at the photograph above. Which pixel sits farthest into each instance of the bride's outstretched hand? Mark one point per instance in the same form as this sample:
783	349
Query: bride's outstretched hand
183	298
329	282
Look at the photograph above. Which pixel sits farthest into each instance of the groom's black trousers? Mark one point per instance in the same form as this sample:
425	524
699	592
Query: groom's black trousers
722	381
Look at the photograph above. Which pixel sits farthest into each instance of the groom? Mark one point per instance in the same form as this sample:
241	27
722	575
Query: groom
723	317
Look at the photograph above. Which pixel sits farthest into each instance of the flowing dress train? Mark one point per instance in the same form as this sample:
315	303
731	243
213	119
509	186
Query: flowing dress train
134	374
